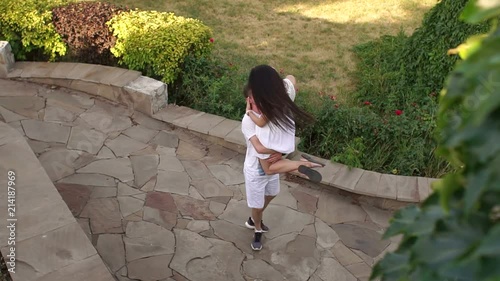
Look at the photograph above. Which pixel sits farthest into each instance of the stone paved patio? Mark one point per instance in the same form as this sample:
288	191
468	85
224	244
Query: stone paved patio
162	204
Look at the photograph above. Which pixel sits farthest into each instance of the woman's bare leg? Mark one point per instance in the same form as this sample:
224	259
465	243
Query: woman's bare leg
265	166
286	165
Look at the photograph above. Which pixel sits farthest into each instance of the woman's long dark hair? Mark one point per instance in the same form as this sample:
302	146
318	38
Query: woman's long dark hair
269	94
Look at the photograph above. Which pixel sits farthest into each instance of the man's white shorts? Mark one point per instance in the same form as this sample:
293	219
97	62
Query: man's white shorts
257	187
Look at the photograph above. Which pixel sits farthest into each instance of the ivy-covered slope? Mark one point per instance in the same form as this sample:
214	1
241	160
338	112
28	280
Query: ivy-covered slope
455	234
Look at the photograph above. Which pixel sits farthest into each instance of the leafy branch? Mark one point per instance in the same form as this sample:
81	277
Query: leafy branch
455	233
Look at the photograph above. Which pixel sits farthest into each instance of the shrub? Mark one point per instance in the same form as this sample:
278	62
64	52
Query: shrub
211	85
454	235
83	28
157	43
388	143
352	153
27	25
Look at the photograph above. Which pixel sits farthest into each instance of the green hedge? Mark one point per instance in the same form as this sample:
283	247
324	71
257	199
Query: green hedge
152	42
27	25
396	71
157	43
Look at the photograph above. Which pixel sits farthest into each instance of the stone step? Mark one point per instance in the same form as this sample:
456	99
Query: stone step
49	242
120	85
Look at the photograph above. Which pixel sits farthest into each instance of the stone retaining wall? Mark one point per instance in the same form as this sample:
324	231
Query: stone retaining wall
120	85
150	97
49	242
6	58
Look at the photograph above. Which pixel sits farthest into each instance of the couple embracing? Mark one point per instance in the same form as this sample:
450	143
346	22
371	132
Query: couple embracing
269	130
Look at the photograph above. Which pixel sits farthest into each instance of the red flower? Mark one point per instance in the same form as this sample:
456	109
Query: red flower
333	97
367	103
398	112
211	40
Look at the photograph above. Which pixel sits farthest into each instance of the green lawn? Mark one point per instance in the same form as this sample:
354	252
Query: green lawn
310	39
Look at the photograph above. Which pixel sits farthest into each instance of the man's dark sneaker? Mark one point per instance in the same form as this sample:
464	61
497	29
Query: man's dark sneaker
249	224
256	244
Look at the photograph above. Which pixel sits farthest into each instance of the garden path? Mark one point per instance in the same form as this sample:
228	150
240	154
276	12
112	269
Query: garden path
159	203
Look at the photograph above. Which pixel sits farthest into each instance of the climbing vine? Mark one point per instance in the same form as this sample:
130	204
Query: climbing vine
455	233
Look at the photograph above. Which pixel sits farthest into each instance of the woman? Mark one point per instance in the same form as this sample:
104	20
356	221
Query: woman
281	140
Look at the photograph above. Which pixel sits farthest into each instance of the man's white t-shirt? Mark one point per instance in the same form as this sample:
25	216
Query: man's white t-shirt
258	185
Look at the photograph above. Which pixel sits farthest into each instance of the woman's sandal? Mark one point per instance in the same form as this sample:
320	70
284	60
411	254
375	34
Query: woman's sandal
313	175
310	159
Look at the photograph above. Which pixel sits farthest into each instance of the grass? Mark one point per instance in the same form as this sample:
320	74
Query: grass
310	39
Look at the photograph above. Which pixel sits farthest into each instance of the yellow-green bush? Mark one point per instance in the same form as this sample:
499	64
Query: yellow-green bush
157	43
27	25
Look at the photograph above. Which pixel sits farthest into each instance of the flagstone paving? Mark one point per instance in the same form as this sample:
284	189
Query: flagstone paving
159	203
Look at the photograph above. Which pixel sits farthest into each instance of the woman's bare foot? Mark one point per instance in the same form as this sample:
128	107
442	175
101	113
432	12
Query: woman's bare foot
310	159
310	164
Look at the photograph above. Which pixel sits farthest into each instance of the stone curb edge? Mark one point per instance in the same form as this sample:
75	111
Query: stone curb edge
228	133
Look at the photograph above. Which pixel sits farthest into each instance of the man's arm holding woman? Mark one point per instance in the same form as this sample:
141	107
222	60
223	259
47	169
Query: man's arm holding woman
275	156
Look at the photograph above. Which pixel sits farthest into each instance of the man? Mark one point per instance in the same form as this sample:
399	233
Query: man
260	188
